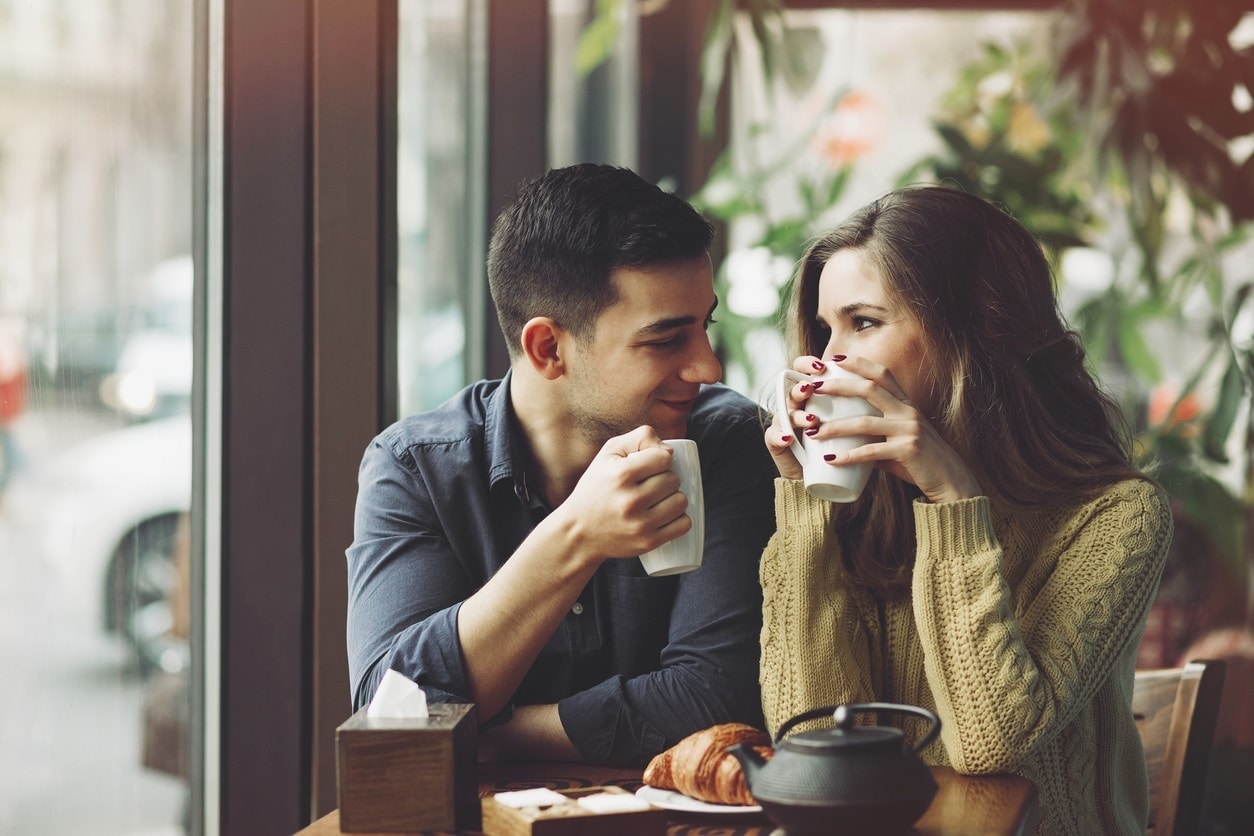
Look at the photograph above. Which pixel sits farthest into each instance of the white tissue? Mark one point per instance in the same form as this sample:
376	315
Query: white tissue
397	698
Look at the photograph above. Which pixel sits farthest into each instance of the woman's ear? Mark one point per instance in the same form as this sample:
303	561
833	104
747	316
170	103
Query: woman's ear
541	347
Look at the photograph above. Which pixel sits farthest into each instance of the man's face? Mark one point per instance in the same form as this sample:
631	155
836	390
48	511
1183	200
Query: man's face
649	353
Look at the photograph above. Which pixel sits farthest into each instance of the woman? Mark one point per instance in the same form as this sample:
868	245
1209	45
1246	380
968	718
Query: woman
1000	563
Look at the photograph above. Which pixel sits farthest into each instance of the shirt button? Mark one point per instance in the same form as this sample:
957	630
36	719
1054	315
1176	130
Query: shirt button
577	609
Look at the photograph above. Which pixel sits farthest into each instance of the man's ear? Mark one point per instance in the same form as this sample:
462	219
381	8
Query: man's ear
541	347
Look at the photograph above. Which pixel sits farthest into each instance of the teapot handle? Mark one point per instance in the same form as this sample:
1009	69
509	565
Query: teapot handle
843	715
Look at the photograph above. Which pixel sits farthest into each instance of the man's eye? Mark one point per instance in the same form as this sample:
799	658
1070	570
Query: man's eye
664	343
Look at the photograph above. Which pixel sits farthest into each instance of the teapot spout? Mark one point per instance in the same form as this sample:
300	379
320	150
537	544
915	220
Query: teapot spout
751	762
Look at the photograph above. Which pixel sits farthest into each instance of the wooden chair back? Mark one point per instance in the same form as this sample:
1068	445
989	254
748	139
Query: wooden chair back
1176	710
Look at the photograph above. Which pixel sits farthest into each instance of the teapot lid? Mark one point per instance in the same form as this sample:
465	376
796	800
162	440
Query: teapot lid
848	736
845	738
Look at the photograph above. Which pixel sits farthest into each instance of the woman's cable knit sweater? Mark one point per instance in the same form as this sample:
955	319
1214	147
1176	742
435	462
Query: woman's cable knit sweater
1020	632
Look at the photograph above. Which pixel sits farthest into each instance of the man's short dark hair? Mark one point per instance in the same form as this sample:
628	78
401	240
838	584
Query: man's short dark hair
554	248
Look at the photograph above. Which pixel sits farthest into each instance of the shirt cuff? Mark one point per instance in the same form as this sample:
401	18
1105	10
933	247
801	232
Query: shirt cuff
605	731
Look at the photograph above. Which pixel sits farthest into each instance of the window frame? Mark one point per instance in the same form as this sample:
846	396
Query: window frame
295	201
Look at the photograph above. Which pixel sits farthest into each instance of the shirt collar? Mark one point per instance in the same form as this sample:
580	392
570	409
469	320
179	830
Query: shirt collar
501	438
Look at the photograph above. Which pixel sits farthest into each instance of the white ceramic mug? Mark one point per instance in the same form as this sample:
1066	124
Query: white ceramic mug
683	554
834	483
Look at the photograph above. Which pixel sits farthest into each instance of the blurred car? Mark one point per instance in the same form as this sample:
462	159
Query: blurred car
105	515
73	351
153	374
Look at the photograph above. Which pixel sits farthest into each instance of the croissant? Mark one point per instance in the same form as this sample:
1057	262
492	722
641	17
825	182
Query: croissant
699	767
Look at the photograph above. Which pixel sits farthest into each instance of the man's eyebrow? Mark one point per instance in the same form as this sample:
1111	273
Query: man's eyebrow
671	323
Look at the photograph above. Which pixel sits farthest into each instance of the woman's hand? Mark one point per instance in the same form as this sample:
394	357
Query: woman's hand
910	448
792	419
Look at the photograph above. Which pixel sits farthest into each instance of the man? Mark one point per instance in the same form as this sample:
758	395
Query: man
496	539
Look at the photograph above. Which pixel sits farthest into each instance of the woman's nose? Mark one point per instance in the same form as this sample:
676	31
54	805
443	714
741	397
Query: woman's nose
831	350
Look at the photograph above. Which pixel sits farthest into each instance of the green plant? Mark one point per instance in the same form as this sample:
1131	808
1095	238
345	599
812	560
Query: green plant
1006	139
1158	84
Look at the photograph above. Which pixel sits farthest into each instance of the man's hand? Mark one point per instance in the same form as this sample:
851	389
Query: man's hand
627	501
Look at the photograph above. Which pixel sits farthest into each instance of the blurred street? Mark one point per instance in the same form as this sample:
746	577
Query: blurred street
70	723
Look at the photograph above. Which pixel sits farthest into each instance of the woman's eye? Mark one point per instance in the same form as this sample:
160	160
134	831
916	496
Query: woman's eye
861	323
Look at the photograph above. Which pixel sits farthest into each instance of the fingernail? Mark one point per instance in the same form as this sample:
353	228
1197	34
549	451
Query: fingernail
836	358
805	387
818	367
811	417
812	431
818	384
829	457
785	438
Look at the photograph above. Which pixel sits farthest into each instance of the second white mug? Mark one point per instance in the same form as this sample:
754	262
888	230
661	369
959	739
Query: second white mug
833	483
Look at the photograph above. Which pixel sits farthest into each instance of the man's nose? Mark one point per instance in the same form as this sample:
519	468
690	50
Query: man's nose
703	367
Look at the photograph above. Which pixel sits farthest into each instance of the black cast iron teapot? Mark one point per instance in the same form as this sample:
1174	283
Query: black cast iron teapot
850	779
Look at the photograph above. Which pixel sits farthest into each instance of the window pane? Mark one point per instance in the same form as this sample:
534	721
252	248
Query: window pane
95	441
437	226
592	117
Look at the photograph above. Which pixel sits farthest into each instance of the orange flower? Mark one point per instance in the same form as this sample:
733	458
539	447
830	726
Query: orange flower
1161	400
850	131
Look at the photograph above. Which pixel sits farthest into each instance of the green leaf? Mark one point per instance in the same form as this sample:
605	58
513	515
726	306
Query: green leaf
597	39
954	138
1135	352
786	237
1211	506
718	40
1219	425
837	187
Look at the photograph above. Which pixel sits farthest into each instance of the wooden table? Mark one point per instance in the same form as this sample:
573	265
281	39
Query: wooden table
964	804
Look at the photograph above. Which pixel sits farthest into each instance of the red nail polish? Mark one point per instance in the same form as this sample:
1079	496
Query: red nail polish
836	358
812	417
818	384
812	431
829	457
805	387
818	367
785	438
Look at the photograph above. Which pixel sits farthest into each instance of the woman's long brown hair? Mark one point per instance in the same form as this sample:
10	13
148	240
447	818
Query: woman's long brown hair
1014	397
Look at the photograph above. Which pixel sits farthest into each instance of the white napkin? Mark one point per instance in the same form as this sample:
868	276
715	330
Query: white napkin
537	797
397	698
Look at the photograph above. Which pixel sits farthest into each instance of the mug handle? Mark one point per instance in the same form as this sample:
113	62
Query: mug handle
787	378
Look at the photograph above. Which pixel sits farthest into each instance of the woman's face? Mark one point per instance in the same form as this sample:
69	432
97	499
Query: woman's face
861	319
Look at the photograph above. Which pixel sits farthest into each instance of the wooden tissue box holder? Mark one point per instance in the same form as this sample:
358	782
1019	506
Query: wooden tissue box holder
503	820
412	774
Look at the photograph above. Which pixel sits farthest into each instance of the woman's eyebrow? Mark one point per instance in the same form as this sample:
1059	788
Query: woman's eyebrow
856	307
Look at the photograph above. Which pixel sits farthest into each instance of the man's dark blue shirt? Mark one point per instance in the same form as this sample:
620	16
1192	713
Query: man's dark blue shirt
638	663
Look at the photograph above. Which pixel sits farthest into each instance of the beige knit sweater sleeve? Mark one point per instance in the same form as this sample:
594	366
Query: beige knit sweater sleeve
1003	684
815	634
